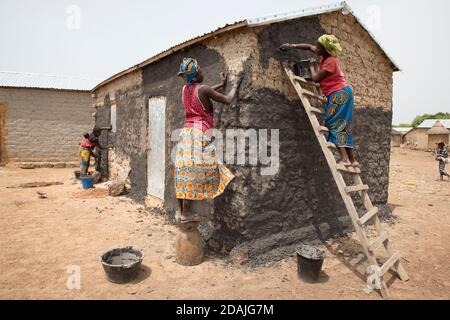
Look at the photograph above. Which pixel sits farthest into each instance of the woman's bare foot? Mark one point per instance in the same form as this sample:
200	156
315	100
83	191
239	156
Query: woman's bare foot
344	163
191	218
178	216
355	164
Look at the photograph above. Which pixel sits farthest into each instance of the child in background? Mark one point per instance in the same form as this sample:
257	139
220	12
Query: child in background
86	148
85	143
442	157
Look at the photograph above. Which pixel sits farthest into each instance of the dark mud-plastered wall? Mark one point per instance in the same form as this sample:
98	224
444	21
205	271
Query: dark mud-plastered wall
269	215
160	80
264	216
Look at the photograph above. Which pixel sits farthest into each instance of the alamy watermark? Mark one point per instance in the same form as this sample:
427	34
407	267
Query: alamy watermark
73	21
374	278
74	277
373	17
236	146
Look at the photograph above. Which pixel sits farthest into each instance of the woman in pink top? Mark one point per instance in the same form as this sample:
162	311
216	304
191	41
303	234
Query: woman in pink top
199	175
339	107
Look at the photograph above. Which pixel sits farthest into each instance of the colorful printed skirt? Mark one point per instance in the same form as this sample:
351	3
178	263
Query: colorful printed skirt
339	117
85	155
198	173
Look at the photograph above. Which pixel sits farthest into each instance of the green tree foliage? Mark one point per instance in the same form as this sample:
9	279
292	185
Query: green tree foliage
419	119
403	125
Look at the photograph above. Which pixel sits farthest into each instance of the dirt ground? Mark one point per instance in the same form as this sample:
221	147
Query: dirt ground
42	238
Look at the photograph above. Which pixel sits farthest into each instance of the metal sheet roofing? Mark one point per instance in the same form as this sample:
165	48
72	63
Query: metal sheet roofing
427	124
43	81
341	6
402	129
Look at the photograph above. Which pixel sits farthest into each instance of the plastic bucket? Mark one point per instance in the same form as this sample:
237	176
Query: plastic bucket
309	263
301	69
122	265
87	182
77	174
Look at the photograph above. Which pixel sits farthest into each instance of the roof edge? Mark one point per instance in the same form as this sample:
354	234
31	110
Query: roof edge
172	50
45	88
296	14
341	6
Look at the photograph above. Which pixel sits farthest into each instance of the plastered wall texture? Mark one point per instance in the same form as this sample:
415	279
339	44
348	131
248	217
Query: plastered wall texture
45	125
265	217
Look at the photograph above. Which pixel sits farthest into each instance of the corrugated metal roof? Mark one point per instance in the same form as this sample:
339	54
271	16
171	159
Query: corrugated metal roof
43	81
427	124
341	6
402	129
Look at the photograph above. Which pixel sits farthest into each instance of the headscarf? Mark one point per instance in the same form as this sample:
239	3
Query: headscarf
189	69
331	44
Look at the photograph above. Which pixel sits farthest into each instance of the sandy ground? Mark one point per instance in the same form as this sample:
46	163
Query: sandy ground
42	238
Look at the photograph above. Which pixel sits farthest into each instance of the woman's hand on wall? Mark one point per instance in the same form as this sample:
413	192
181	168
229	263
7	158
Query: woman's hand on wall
285	47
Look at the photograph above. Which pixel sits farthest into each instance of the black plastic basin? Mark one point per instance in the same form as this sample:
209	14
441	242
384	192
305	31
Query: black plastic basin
122	265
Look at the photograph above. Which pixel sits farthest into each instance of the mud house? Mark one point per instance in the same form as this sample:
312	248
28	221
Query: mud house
258	214
396	138
437	134
42	118
398	135
425	136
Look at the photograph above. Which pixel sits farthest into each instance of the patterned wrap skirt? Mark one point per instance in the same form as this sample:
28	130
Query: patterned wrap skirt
85	155
339	117
199	174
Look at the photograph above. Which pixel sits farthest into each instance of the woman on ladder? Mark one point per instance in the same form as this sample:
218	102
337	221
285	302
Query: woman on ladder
339	107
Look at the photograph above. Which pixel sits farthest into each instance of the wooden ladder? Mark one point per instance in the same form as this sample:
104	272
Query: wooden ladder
393	262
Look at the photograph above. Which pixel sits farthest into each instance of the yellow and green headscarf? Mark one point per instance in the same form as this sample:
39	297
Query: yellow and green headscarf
189	69
331	44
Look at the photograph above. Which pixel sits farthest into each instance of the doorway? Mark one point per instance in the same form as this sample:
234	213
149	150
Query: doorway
156	146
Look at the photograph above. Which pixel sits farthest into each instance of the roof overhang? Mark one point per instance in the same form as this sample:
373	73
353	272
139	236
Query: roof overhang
174	49
342	6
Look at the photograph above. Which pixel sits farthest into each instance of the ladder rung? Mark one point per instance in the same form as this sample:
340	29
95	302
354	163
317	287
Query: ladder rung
316	110
321	128
378	242
312	95
390	263
303	80
369	215
348	169
361	187
331	145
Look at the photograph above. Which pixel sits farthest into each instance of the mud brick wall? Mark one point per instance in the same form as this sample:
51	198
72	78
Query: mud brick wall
45	125
417	138
127	141
302	196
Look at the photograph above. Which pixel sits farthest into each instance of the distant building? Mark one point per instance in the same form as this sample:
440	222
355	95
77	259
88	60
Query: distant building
419	138
437	134
398	135
396	138
42	118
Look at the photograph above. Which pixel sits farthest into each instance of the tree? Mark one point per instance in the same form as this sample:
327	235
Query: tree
403	125
419	119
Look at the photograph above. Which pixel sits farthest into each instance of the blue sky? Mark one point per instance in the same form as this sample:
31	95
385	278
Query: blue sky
44	37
